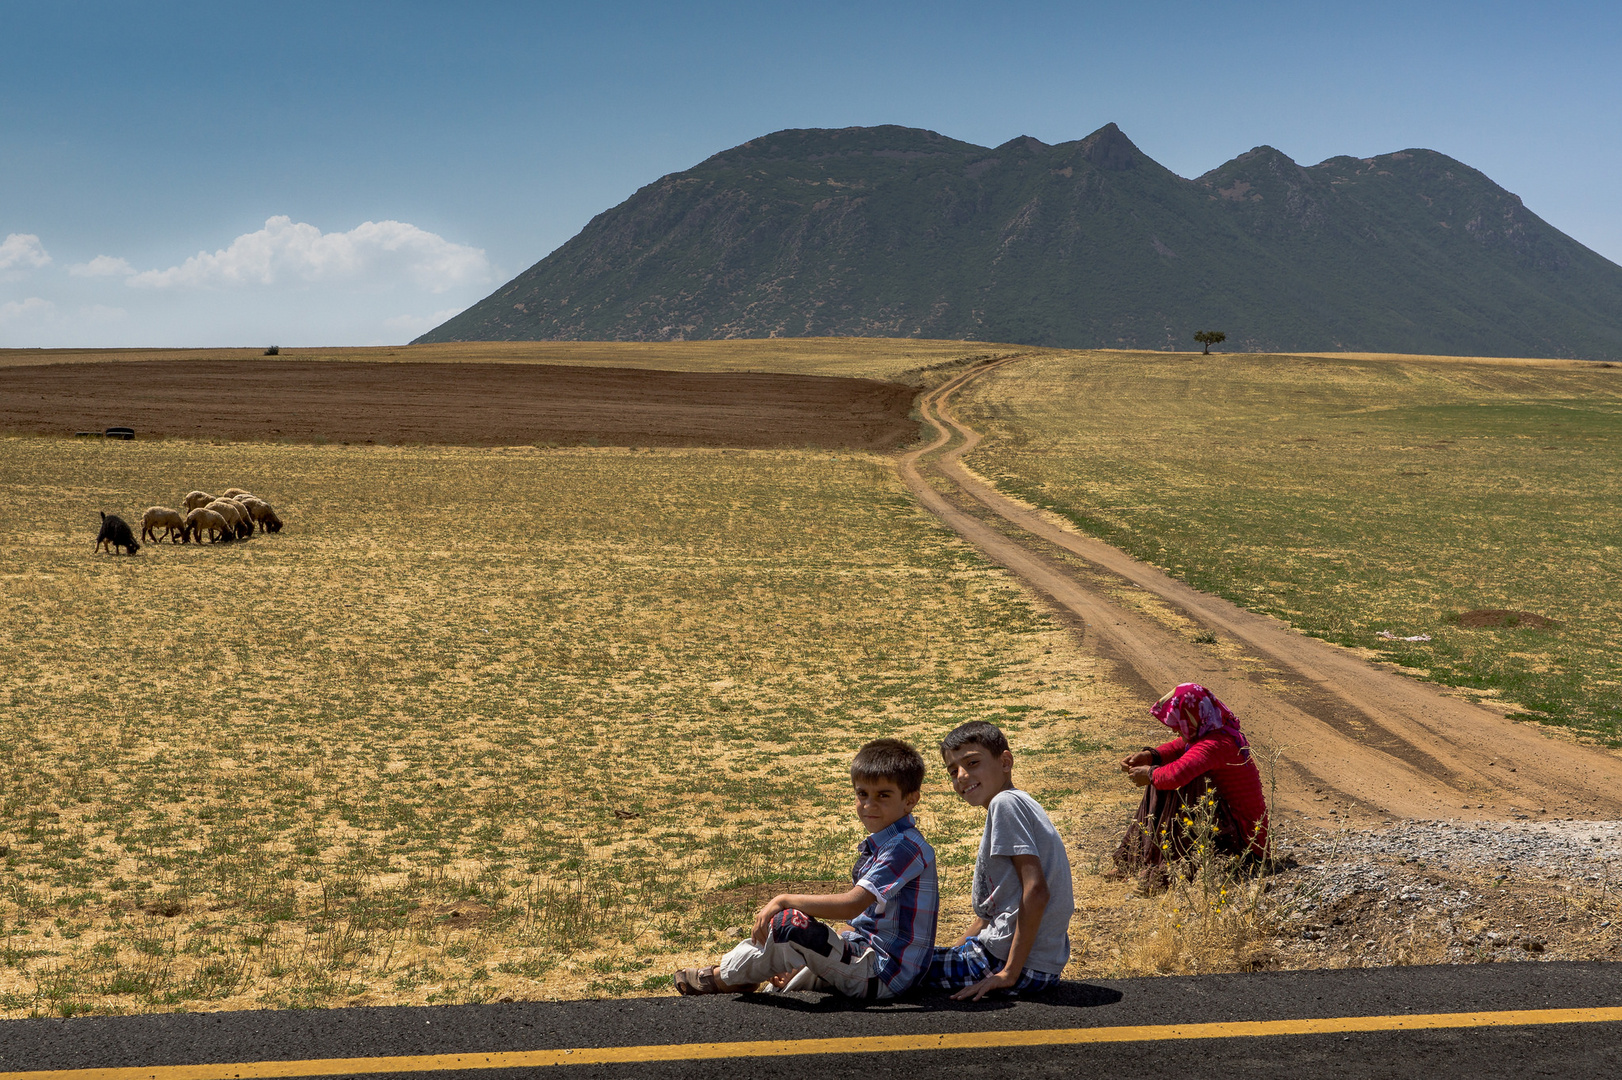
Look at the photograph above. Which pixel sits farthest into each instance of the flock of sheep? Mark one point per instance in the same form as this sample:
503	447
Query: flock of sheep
227	517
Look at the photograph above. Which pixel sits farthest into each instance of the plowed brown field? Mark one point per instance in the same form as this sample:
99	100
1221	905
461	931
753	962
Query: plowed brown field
464	404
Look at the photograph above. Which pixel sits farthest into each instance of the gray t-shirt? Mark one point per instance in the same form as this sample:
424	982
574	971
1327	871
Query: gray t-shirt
1016	824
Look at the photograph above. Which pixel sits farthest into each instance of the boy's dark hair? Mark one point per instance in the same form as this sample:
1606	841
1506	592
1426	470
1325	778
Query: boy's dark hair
987	735
889	759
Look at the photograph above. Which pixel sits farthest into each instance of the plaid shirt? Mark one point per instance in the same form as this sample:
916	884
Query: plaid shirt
897	865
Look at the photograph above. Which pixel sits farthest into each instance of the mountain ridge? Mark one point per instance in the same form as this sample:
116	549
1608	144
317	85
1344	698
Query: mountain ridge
895	231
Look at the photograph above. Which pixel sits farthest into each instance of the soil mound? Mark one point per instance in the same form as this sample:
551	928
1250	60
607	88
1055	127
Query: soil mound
463	404
1492	618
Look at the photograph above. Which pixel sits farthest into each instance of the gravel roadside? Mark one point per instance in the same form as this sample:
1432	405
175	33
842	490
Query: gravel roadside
1451	892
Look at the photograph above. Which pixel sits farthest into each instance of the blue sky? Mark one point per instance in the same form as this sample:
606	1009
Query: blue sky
242	174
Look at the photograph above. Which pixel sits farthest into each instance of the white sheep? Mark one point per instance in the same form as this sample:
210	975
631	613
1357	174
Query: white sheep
161	517
197	498
234	515
266	516
202	518
247	516
258	509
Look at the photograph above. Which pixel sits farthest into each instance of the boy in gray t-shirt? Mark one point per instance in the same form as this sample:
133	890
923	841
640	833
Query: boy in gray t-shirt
1020	938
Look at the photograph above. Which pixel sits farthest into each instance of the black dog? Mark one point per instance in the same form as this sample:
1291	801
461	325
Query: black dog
115	532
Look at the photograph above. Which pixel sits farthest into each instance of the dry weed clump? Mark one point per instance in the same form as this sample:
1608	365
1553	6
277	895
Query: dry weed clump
1212	915
489	723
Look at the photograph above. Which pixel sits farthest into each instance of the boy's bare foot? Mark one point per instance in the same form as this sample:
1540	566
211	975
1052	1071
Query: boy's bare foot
704	980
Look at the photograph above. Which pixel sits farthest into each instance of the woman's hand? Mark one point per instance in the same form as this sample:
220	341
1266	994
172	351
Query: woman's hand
1141	775
1142	757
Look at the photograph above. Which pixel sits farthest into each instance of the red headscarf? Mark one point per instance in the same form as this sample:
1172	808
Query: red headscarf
1194	712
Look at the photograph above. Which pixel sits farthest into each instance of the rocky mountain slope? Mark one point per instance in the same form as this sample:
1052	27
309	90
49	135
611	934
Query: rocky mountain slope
892	231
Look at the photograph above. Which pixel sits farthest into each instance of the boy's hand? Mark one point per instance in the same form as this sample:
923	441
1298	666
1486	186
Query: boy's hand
763	921
845	905
975	927
1000	981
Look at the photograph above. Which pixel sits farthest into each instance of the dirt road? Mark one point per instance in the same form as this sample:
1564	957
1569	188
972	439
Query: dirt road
1352	739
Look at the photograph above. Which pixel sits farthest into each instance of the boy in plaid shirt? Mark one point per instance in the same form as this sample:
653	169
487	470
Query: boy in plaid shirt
891	904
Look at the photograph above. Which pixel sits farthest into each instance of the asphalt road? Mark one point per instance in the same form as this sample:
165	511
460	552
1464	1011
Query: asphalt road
160	1043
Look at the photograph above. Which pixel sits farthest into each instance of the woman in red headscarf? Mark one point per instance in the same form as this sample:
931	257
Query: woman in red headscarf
1209	755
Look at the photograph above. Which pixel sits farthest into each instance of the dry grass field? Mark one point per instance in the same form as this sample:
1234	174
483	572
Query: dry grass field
527	722
1470	501
482	722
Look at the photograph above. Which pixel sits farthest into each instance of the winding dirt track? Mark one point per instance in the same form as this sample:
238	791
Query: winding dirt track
1351	737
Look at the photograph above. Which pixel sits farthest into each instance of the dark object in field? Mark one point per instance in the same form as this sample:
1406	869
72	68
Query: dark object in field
120	433
274	350
115	532
1493	618
1209	338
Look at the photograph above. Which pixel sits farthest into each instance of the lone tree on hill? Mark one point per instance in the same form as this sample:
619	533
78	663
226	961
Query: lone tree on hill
1209	338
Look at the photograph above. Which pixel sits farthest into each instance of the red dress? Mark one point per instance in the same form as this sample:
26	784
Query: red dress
1237	780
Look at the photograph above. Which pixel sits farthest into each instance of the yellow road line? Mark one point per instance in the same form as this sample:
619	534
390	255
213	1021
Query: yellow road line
871	1044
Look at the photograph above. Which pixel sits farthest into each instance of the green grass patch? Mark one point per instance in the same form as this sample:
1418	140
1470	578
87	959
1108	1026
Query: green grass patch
1351	497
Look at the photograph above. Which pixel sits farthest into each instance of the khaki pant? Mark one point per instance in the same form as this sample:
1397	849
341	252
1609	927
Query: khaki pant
821	959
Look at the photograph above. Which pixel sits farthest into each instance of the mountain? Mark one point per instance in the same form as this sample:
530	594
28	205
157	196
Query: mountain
898	232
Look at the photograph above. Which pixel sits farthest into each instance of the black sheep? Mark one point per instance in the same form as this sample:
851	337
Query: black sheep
115	532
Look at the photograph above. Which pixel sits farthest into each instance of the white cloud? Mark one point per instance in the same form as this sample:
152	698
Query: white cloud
29	309
373	252
102	266
414	325
19	252
102	313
